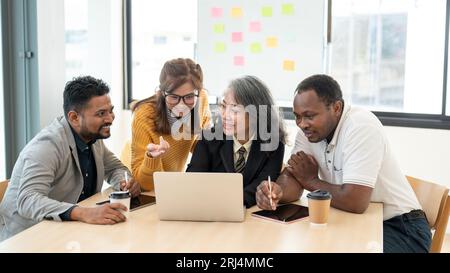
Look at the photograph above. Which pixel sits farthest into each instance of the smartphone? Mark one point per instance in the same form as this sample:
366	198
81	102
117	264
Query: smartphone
288	213
137	202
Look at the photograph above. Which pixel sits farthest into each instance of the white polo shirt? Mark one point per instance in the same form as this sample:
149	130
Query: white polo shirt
359	153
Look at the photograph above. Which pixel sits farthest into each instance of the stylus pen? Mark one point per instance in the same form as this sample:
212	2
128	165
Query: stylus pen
126	180
102	202
270	190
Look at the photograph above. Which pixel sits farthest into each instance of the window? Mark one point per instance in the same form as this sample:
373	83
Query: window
159	32
229	39
389	56
76	37
2	116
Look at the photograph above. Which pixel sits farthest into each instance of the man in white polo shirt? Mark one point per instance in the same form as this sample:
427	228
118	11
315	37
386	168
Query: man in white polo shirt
344	150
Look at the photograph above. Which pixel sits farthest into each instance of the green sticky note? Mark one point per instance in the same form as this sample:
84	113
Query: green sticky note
219	47
266	11
219	28
255	48
287	9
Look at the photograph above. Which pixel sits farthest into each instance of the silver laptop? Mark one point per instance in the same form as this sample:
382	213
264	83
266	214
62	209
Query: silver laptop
199	196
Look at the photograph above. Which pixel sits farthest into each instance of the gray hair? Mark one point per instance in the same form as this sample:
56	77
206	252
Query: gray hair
251	91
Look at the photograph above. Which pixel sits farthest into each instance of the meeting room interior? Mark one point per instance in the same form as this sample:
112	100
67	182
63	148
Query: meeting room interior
208	126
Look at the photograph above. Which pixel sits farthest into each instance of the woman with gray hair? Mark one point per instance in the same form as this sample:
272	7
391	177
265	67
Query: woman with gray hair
249	137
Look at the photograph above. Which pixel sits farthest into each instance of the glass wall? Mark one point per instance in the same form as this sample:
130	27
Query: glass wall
389	55
160	32
76	37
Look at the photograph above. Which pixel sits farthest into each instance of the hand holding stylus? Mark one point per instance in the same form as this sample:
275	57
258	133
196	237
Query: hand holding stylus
268	195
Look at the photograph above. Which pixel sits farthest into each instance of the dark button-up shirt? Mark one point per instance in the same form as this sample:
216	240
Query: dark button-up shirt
88	171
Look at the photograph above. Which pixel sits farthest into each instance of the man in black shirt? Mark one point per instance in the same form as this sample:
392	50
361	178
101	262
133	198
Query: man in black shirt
65	163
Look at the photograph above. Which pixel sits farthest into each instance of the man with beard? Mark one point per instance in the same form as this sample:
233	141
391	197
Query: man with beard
66	163
343	149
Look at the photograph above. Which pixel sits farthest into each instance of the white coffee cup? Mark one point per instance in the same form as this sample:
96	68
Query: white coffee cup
122	197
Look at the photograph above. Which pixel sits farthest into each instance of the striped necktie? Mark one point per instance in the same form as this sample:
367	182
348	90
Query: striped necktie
239	166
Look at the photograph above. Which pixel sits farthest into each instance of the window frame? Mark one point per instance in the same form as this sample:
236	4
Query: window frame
127	55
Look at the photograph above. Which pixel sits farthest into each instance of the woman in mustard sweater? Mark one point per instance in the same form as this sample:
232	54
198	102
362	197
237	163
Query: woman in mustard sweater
165	126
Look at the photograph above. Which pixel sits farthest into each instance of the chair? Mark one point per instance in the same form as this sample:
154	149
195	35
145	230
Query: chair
125	155
3	186
435	202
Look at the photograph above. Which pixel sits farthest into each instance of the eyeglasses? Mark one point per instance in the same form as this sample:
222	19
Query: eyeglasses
188	99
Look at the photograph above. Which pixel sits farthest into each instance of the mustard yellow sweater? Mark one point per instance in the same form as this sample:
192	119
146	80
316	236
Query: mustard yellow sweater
144	133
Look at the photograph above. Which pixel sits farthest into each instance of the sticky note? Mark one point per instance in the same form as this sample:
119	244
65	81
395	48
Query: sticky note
287	9
239	60
219	28
219	47
272	42
236	37
266	11
216	12
236	12
255	48
255	26
289	65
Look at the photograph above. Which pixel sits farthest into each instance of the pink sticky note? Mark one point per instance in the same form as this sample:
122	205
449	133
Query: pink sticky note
239	60
216	12
255	26
236	37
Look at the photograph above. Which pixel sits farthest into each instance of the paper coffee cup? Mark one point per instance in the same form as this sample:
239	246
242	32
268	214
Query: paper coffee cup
319	207
122	197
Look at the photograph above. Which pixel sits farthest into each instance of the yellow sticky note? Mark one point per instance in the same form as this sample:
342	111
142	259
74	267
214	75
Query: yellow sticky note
236	12
288	65
219	28
287	9
272	42
255	48
266	11
219	47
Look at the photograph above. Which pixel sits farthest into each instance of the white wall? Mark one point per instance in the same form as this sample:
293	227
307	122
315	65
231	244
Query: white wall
422	152
51	59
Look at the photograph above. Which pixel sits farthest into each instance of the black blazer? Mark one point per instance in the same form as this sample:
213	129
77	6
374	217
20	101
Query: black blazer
217	156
